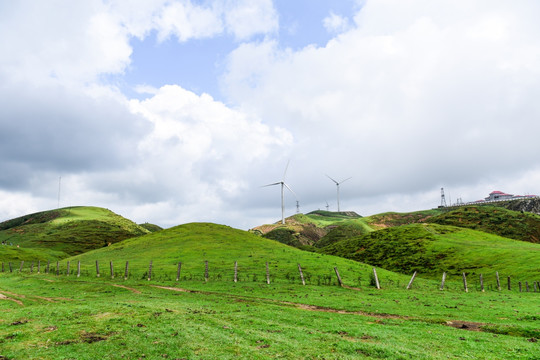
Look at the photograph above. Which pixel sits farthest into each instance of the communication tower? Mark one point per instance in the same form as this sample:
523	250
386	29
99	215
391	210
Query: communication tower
443	199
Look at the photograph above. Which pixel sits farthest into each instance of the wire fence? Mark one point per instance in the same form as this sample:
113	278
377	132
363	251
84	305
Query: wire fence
268	273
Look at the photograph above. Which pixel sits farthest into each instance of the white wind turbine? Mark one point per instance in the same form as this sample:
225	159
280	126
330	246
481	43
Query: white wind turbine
337	185
283	185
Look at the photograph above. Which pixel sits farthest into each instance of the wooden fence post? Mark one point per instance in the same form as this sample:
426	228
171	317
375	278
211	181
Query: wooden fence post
338	277
39	266
205	270
10	268
112	269
527	286
47	270
465	283
236	271
97	268
126	271
301	275
482	283
178	271
498	281
535	283
150	271
509	287
20	269
376	279
519	283
67	271
79	268
267	274
410	282
2	266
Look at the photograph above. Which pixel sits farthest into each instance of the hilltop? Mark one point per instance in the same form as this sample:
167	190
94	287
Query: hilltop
66	231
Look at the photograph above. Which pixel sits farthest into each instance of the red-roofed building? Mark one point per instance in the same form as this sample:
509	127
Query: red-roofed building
499	195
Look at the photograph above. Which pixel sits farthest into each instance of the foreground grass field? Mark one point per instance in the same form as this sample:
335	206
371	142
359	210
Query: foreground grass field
48	317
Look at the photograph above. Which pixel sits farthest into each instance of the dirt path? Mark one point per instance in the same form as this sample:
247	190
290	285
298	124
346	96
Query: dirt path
4	297
135	291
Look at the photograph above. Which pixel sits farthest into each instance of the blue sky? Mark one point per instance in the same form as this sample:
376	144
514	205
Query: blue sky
171	111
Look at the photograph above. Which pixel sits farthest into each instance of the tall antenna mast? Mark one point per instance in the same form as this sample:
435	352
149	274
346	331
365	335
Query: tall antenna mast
443	200
59	187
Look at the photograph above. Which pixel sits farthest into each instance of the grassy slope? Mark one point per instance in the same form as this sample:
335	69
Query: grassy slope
494	220
432	249
70	230
391	219
194	243
66	318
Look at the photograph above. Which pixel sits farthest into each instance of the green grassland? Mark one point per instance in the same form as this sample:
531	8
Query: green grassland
49	317
69	231
432	249
193	244
495	220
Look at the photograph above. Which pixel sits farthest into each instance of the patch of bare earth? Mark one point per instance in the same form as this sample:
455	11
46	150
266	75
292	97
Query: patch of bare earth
4	297
465	325
174	289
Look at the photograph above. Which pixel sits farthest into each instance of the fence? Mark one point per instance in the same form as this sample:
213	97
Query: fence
363	278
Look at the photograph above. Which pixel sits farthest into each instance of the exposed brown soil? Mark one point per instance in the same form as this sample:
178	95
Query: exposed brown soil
4	297
465	325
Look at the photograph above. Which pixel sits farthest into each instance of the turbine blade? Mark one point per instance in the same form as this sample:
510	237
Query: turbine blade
272	184
287	186
342	181
285	172
332	179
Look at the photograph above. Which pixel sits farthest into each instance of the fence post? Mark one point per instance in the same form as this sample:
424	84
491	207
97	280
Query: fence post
376	279
39	266
535	285
410	282
10	268
338	277
112	269
20	269
67	271
481	282
178	271
509	287
126	271
498	281
150	271
79	268
32	268
301	275
519	283
205	270
465	283
97	268
48	266
2	266
236	271
527	286
267	274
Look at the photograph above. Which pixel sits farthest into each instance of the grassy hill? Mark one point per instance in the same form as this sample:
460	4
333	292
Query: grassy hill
64	232
221	246
431	249
308	229
495	220
391	219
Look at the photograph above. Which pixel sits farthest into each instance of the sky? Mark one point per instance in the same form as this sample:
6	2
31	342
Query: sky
177	111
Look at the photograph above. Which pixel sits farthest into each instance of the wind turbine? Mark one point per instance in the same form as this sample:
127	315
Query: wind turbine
327	206
283	185
337	185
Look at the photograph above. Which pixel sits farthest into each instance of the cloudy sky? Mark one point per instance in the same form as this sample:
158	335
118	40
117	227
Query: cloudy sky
173	111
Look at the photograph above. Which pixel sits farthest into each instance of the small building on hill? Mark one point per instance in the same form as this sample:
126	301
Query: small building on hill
499	195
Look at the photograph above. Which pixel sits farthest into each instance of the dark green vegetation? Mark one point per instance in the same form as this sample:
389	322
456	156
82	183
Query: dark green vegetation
432	249
65	232
151	227
495	220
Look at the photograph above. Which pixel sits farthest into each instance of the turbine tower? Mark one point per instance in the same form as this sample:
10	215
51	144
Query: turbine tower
327	206
337	185
283	185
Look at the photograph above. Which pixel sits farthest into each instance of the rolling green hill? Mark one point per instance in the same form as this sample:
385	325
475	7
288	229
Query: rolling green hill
221	246
431	249
495	220
64	232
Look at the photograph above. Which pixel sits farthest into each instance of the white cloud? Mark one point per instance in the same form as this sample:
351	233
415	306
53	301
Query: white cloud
245	18
334	23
